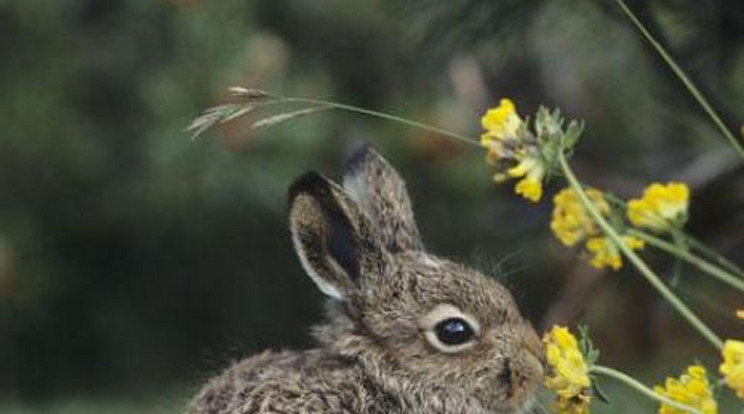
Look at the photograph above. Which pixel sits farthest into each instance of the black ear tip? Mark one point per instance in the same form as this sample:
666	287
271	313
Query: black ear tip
359	156
309	182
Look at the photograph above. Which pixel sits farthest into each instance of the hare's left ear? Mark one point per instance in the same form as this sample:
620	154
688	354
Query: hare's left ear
333	238
382	194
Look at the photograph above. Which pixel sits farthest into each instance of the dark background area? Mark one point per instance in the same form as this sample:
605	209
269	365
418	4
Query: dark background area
135	263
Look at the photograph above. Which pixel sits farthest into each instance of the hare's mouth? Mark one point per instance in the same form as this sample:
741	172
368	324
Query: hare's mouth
519	379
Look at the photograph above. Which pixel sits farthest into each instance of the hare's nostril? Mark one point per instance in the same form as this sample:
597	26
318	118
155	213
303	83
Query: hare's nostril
507	373
506	378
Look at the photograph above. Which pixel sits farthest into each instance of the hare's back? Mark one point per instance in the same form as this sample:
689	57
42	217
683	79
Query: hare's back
287	382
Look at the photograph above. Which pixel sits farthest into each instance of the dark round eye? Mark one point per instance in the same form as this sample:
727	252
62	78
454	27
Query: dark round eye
454	331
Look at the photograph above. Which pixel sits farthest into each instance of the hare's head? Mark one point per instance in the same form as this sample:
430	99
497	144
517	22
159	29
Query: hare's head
435	323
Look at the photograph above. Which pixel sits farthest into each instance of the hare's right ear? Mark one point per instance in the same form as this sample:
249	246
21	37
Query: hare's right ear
332	237
382	194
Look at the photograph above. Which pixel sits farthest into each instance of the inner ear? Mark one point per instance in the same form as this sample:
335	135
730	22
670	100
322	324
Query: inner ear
342	243
332	236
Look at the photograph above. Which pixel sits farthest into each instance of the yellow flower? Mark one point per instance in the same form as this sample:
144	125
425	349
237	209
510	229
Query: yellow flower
740	313
513	150
571	223
691	389
660	207
568	374
530	187
500	123
606	253
732	367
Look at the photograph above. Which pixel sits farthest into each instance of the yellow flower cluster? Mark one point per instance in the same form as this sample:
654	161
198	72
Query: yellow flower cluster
606	253
512	150
502	122
569	371
662	207
691	389
732	367
571	224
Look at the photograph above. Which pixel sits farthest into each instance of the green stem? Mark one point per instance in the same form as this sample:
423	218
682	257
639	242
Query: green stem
712	254
638	386
677	267
694	91
701	264
388	117
702	248
642	267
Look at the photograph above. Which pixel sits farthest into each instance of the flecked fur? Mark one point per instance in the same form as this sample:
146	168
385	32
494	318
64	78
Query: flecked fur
361	245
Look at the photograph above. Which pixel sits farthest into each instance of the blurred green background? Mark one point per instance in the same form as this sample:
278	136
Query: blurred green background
135	263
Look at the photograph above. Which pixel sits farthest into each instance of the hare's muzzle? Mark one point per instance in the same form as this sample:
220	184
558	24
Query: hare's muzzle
522	374
533	345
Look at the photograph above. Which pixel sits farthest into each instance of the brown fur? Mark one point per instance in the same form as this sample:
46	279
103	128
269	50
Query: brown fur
362	247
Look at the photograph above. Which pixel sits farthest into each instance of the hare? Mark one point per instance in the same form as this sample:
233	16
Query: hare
406	331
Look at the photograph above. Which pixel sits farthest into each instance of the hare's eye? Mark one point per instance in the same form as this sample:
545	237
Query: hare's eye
449	329
454	331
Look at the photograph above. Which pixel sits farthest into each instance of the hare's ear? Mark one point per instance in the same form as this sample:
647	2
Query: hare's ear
381	193
332	237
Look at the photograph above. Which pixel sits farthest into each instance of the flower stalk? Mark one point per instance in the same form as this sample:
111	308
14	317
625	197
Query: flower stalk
685	255
638	386
642	267
711	254
686	243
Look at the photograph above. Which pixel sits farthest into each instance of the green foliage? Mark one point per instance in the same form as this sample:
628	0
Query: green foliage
553	138
591	354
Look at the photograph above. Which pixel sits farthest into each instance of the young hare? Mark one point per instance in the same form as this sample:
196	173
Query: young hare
407	331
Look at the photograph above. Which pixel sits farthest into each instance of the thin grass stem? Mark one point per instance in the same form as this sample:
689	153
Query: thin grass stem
389	117
694	91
